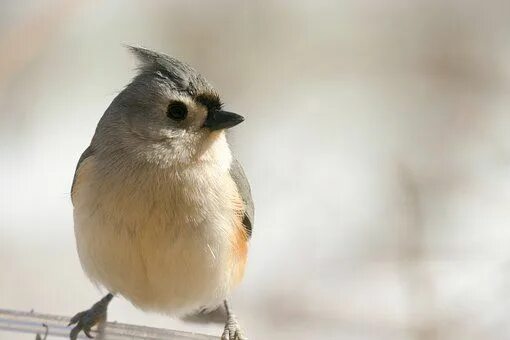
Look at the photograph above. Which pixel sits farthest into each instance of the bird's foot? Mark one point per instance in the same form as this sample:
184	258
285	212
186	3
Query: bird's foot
232	330
87	319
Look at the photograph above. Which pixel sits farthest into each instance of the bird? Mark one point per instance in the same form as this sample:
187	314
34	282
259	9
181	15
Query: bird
163	212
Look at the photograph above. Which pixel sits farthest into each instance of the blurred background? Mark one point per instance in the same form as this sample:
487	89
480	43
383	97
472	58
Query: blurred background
376	141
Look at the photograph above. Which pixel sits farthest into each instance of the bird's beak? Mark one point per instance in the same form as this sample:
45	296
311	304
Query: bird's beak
217	120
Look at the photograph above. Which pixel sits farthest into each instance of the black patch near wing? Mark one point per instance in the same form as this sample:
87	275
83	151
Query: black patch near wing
239	177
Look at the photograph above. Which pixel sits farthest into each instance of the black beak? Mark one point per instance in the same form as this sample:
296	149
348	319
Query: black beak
217	120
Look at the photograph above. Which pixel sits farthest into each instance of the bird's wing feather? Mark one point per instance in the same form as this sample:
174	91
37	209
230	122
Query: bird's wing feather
87	153
239	177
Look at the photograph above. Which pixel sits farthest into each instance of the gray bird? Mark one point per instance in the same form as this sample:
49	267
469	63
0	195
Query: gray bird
162	211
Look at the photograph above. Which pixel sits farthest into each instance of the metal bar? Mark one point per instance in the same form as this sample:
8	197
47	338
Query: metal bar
30	322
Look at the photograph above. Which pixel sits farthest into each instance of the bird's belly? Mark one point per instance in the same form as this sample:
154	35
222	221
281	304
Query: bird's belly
160	254
173	271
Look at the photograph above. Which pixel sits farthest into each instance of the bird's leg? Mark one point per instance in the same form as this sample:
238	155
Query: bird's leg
87	319
232	330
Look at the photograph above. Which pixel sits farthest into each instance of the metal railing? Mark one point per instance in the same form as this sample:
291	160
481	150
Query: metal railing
56	326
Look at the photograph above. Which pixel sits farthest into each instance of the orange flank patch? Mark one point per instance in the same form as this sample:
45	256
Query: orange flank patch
239	245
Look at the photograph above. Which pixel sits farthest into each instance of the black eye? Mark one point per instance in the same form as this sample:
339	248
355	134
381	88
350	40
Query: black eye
177	111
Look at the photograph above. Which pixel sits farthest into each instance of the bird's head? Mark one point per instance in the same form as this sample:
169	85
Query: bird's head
168	112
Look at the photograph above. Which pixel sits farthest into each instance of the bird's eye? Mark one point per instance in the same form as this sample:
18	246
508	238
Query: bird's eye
177	111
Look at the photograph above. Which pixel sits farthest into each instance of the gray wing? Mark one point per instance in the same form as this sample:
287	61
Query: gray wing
88	152
239	177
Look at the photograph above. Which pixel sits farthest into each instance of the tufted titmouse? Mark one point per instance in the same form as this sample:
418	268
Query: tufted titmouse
162	211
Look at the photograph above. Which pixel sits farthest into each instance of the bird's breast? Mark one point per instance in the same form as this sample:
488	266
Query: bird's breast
167	240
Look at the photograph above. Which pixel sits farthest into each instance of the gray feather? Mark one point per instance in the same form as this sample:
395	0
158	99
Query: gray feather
239	177
182	76
87	153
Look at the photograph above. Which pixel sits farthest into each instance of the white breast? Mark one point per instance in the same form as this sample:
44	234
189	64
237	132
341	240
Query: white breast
162	239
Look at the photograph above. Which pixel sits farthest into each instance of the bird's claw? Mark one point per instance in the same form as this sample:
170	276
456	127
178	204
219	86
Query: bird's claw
84	322
232	330
87	319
